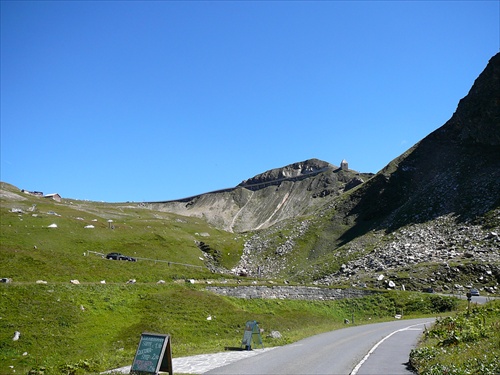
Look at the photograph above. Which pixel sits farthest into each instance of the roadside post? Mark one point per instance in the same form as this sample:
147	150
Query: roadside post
469	296
252	333
154	354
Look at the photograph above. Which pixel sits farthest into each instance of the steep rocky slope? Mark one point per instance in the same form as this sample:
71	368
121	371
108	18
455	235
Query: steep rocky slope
438	203
430	217
269	198
455	170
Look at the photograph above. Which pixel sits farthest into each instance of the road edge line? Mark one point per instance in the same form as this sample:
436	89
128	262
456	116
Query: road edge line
358	366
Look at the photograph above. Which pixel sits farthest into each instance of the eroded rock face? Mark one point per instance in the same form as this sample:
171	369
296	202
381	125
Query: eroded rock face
269	198
454	170
438	202
477	119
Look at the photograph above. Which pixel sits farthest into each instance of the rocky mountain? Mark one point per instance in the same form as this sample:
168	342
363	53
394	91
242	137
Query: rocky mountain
455	170
296	171
269	198
435	209
431	217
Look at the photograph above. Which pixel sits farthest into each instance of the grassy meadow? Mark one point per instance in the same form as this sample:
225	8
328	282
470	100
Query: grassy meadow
95	325
87	328
31	250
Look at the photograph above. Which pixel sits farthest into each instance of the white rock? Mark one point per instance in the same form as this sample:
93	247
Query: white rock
17	334
275	335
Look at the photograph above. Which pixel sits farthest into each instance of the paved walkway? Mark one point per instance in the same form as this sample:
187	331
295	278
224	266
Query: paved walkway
202	363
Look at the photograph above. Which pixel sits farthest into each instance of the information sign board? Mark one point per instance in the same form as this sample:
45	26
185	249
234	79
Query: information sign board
153	355
252	333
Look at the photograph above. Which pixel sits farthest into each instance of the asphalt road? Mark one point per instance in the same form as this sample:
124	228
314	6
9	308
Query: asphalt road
380	348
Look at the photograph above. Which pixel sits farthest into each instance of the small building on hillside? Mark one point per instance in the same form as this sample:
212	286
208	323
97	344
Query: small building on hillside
54	196
344	166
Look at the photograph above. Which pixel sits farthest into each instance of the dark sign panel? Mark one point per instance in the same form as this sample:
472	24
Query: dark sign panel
252	333
153	355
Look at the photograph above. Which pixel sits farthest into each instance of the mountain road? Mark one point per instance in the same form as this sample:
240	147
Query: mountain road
380	348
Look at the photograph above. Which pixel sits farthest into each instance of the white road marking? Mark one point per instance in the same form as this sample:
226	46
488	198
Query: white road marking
358	366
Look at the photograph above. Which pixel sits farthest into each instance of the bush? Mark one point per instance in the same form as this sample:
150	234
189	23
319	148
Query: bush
442	304
467	343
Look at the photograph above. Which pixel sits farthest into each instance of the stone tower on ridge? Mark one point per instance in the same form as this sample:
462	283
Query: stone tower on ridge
344	166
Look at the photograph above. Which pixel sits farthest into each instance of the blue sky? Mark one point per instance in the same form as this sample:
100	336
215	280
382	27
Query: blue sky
145	101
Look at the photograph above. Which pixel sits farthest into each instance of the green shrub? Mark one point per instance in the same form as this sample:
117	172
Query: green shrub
467	343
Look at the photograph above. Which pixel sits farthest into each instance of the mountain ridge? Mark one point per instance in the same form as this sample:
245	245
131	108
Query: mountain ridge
268	198
436	204
410	210
467	141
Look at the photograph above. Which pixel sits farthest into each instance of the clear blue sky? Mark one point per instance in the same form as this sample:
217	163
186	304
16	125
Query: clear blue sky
143	101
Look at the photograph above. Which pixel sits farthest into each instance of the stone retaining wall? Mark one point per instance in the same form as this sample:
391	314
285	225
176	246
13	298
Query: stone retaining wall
288	292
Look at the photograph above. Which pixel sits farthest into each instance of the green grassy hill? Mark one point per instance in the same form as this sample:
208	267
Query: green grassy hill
431	217
83	329
32	250
93	326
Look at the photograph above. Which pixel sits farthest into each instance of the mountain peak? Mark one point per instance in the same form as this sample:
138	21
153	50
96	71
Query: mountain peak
296	170
453	171
477	118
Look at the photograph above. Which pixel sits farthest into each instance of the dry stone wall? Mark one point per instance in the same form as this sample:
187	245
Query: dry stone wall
288	292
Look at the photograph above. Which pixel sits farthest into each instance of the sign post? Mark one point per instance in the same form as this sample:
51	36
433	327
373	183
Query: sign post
154	354
469	297
251	329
